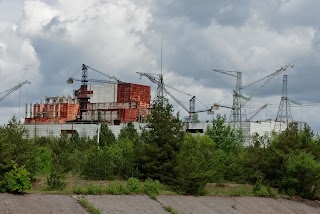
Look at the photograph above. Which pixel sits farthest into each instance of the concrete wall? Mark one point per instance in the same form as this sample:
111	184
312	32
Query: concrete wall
90	130
103	93
262	128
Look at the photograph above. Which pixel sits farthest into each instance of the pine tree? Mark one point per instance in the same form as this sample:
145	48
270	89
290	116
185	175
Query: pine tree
162	140
106	136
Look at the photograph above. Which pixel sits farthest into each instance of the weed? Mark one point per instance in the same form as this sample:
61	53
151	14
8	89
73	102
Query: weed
170	210
89	206
79	190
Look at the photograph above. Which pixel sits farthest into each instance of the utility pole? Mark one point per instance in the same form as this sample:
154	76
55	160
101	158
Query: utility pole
284	116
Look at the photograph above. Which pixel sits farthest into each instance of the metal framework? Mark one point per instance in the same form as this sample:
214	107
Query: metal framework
83	92
161	91
236	114
157	79
284	116
9	91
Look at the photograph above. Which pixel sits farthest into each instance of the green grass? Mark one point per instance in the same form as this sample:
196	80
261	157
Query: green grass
89	206
78	185
229	190
169	209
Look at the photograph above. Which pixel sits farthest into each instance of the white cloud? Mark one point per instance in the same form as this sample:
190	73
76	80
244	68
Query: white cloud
121	37
36	15
18	59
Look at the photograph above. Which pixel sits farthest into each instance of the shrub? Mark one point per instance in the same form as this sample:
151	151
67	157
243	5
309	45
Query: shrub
79	190
55	181
133	185
151	187
93	189
116	188
193	186
262	190
301	176
17	180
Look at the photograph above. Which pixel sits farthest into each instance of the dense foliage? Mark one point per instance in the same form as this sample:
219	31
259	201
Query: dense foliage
162	141
163	152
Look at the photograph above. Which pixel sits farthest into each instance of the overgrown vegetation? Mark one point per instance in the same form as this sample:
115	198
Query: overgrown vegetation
89	206
164	154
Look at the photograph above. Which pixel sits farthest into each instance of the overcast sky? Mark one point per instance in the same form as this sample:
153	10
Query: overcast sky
46	41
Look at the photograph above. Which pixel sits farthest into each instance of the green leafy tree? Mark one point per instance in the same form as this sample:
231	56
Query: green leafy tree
95	165
226	138
122	158
162	142
230	142
43	159
129	132
16	147
106	137
252	162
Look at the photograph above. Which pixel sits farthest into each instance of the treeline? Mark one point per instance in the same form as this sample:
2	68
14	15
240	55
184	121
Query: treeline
163	151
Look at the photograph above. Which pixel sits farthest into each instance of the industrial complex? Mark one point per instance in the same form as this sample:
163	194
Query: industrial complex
116	103
111	102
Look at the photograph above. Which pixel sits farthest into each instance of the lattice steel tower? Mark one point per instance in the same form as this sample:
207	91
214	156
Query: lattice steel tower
284	116
236	114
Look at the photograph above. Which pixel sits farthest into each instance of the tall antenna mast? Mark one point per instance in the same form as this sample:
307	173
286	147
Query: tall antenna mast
161	75
161	56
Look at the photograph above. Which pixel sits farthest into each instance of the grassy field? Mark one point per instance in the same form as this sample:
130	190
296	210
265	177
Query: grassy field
78	185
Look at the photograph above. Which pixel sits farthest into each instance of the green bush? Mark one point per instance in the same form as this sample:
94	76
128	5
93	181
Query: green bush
55	181
94	189
43	160
17	180
79	190
151	187
262	190
301	176
133	185
193	186
116	188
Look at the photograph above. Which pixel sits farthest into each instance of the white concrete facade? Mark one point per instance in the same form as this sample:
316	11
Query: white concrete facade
89	130
103	93
263	128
